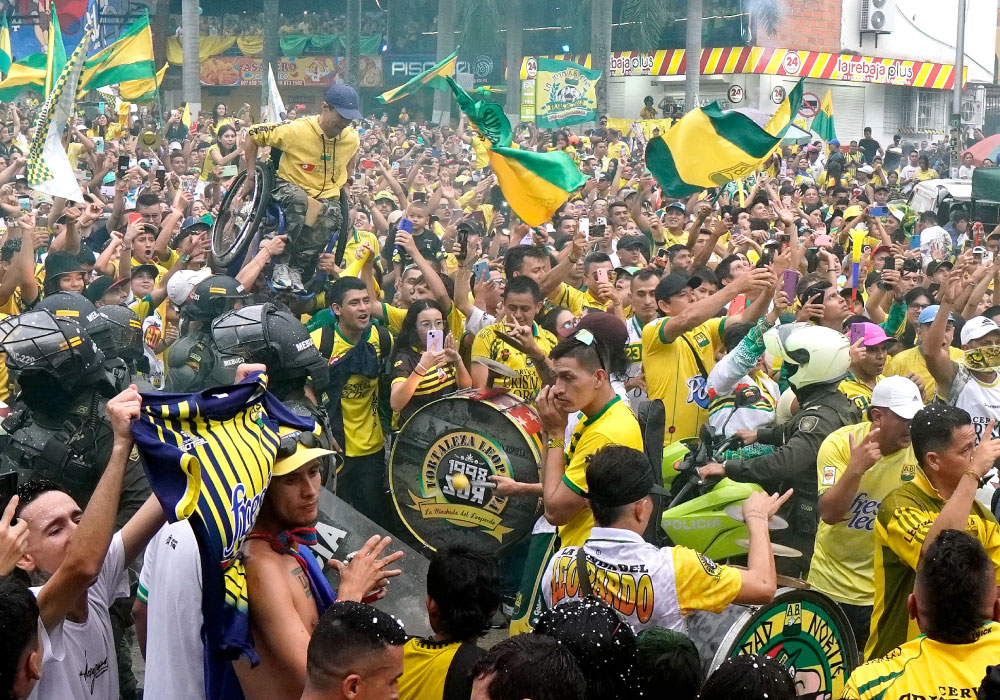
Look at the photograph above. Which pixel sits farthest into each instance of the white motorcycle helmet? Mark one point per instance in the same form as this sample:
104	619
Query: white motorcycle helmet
813	354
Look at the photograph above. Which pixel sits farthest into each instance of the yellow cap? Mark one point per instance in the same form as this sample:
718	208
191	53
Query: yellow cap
302	455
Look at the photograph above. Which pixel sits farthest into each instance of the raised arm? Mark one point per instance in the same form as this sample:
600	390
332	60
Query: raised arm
933	347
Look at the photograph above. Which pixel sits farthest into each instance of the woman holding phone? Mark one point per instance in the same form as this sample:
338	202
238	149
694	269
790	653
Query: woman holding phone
426	365
224	152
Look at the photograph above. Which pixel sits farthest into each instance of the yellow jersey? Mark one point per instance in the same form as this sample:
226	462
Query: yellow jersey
912	360
309	159
903	520
924	668
528	382
859	393
844	559
393	317
674	377
615	424
576	300
433	669
359	398
618	150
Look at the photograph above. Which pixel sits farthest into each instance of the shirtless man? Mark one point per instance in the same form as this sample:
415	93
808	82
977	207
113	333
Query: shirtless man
285	602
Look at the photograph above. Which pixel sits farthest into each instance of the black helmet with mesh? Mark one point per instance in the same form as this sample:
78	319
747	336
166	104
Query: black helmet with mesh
79	308
126	331
39	342
266	334
213	297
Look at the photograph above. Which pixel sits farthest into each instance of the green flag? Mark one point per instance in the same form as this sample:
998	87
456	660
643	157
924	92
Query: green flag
5	55
433	77
823	121
55	53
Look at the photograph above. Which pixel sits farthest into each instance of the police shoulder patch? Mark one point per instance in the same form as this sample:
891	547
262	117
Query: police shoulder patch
710	567
807	424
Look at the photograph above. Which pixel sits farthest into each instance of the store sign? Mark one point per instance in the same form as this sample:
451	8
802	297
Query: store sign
483	68
242	71
736	94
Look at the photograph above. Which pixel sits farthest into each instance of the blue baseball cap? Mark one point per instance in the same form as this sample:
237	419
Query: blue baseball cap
344	99
928	313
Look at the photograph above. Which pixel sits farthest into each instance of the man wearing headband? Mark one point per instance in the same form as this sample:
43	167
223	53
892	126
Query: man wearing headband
972	383
651	586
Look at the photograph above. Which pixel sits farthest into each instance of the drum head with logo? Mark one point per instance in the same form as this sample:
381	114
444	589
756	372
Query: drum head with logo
443	456
803	629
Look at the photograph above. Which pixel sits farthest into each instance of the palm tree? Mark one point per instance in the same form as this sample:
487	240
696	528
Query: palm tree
478	23
353	42
191	70
600	47
270	51
445	45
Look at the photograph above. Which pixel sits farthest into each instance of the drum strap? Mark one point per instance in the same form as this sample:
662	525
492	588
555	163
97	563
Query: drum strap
581	572
697	357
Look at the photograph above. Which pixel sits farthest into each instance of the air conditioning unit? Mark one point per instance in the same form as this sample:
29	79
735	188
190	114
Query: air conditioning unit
878	16
974	106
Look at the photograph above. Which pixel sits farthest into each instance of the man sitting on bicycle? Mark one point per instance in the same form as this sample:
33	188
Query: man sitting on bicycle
316	155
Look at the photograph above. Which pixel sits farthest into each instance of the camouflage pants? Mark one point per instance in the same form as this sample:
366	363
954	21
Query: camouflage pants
305	243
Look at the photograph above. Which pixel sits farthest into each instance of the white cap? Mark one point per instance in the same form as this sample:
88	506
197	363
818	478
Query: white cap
394	217
899	394
866	169
976	327
183	282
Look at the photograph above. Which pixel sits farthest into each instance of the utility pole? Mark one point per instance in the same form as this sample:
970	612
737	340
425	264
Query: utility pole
956	95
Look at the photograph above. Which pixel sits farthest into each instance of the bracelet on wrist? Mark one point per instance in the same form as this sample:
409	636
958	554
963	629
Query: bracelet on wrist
973	473
556	442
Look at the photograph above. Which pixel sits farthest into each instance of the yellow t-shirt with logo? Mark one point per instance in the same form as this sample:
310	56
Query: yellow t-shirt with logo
859	393
912	360
924	668
528	382
615	424
309	159
395	315
359	398
575	300
844	559
618	150
425	667
673	376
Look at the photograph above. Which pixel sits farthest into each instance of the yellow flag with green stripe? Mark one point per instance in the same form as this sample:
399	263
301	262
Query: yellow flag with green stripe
433	77
143	90
5	55
29	72
129	58
710	147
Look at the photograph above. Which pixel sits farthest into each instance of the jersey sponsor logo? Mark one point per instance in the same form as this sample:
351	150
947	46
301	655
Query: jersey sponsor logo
190	441
244	512
710	567
979	423
862	513
698	391
629	592
701	339
909	471
308	167
829	476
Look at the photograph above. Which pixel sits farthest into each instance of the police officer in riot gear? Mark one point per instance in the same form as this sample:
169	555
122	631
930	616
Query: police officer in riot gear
194	363
126	335
818	359
297	373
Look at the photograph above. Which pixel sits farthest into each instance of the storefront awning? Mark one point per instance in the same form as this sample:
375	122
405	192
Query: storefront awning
770	61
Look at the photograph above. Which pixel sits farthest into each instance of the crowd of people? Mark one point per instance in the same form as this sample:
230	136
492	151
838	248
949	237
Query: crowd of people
845	347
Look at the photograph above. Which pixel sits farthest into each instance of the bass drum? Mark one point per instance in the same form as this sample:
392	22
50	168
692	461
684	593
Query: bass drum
476	433
804	629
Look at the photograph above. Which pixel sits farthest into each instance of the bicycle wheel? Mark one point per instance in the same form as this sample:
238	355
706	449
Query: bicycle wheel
239	218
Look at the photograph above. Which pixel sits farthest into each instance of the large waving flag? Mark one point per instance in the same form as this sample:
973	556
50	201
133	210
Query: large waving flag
565	93
433	77
49	169
55	54
535	185
144	90
127	59
710	146
6	57
29	72
275	108
823	121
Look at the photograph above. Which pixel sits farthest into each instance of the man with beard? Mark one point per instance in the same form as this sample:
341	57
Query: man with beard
287	590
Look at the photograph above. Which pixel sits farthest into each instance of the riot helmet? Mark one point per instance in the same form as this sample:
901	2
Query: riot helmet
126	331
269	335
213	297
82	310
813	354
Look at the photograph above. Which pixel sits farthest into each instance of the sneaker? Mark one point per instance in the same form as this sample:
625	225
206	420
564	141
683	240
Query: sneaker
281	276
295	276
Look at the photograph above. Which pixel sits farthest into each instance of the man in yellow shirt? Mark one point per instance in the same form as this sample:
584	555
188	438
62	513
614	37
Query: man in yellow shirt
941	496
867	362
912	361
954	603
857	466
316	155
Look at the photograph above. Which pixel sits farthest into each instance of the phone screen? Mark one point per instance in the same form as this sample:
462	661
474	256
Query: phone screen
123	165
161	177
879	211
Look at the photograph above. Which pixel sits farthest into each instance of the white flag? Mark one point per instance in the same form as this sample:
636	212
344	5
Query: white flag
275	106
49	169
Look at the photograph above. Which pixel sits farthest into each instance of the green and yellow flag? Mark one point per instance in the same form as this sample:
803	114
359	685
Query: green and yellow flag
5	56
565	93
29	72
55	53
127	59
710	146
144	90
434	77
823	121
534	184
